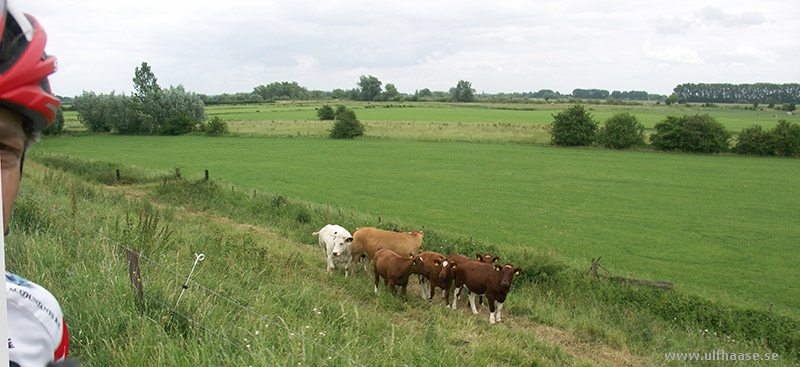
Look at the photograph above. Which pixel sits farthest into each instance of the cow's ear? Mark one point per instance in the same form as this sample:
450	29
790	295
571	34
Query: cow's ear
436	263
348	240
478	256
517	271
498	268
495	259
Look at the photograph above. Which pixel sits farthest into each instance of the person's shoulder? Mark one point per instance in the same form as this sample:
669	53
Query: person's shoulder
26	297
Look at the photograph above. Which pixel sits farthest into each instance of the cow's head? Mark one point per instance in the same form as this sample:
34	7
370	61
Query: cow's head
341	244
417	265
507	272
444	269
487	258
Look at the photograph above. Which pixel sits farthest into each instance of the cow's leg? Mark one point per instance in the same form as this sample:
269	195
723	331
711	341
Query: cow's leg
377	280
404	291
446	296
499	312
330	263
455	297
490	300
431	291
391	286
423	287
472	303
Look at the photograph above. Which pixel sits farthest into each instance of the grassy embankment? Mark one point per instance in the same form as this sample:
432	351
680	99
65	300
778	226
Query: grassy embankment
259	252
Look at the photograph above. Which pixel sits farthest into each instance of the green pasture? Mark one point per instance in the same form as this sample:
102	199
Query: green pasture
734	119
724	227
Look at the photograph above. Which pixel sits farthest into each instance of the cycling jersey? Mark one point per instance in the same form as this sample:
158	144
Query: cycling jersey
37	333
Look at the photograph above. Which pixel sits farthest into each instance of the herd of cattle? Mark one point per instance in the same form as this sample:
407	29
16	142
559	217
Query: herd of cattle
396	255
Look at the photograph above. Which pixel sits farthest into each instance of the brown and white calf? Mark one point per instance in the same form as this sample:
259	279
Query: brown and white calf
439	273
395	269
367	240
493	281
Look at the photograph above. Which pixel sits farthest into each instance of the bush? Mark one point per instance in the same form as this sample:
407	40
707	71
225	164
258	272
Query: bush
216	126
621	131
57	127
786	139
754	140
178	125
347	125
691	133
326	113
573	126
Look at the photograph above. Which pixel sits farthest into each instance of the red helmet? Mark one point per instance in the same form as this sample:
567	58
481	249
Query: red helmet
24	68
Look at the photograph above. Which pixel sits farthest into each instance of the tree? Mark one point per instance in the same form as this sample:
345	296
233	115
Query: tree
282	91
691	133
573	127
754	140
621	131
463	92
145	82
370	87
216	126
391	92
347	125
424	92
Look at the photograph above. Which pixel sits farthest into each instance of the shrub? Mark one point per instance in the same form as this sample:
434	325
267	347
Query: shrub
573	126
621	131
216	126
178	125
347	125
691	133
57	127
326	113
786	139
754	140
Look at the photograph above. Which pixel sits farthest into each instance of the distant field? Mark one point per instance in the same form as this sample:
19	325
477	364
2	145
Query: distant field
733	118
721	226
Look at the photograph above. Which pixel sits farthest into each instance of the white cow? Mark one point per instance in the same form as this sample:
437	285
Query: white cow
336	242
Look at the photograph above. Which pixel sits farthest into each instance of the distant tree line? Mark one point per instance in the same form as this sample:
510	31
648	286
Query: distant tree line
739	93
700	133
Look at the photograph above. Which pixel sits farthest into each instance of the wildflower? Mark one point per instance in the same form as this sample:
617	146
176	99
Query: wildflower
256	332
248	346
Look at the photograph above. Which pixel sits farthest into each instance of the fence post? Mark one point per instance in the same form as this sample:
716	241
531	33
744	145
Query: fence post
206	175
178	173
135	274
117	175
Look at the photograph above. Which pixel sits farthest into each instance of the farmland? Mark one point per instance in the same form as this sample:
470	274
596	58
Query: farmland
721	227
704	222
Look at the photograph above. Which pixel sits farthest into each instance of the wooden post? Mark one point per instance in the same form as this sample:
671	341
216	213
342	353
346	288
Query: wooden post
135	274
165	181
206	175
178	173
74	208
379	219
117	175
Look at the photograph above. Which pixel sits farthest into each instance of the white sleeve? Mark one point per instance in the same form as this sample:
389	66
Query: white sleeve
36	329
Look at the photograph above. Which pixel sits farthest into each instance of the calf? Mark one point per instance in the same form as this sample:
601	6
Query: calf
336	243
439	273
395	269
368	240
494	281
485	258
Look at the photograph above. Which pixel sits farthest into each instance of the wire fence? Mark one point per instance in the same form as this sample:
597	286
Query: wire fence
60	213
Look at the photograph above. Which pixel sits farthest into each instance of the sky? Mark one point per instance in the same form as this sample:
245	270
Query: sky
215	47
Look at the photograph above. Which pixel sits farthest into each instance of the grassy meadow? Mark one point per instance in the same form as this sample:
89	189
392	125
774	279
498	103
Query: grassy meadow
723	227
261	295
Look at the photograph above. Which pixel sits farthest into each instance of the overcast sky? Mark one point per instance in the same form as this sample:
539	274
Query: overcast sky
215	47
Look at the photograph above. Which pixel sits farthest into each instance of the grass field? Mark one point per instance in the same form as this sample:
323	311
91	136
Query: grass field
724	227
734	119
262	285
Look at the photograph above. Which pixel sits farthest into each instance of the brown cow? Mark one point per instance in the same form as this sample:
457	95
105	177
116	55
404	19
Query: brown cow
485	258
440	272
395	269
494	281
368	240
